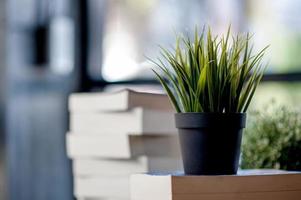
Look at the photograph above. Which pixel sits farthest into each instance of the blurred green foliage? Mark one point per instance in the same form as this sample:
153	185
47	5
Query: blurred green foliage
272	139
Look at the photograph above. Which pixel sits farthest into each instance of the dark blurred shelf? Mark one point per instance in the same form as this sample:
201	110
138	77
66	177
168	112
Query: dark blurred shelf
283	77
279	77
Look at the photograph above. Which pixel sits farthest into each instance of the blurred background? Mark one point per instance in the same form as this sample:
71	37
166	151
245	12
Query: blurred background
51	48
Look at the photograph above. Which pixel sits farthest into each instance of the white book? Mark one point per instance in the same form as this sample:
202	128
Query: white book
99	167
117	101
249	185
136	121
121	146
102	187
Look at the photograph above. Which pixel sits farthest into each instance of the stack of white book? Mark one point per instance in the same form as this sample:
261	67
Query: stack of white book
113	135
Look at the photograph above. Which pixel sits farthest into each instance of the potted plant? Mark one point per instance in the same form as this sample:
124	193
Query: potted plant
210	82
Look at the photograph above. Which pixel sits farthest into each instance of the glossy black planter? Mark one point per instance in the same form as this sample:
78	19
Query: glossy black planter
210	142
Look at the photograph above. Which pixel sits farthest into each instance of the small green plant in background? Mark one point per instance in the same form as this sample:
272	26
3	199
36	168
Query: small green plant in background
210	73
272	139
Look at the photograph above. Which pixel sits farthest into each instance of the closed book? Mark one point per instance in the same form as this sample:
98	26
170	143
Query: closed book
99	167
109	187
262	185
135	121
117	101
121	146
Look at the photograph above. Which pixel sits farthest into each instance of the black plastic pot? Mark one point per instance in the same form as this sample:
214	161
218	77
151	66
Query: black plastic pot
210	142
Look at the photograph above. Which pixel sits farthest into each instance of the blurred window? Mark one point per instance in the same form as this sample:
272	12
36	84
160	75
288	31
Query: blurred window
134	28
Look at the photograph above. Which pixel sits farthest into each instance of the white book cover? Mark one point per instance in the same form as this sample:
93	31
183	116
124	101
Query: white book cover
116	187
136	121
117	101
121	146
99	167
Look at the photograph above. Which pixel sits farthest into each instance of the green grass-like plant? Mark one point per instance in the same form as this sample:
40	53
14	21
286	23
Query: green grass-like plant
210	74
